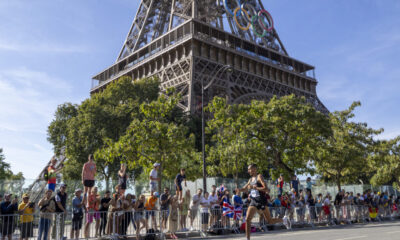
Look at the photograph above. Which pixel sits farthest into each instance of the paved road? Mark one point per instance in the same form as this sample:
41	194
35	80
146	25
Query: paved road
378	231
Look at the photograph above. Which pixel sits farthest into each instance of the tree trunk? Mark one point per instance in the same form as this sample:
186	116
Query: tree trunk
160	176
338	183
279	162
107	179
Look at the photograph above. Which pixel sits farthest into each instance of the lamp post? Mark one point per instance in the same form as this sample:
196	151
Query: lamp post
203	88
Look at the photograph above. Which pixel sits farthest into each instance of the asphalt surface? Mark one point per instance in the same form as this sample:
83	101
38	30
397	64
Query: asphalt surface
377	231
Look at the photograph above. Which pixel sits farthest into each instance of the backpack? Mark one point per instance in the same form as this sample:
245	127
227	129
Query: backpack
46	174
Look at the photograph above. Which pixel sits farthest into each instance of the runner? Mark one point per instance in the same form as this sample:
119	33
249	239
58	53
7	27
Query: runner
258	187
88	173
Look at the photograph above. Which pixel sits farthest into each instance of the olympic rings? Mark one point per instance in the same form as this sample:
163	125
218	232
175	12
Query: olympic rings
236	20
253	16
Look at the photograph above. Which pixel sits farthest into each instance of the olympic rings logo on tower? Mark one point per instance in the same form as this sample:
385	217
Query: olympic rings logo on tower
251	17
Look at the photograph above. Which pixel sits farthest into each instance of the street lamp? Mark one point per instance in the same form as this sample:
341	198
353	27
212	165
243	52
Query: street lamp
224	68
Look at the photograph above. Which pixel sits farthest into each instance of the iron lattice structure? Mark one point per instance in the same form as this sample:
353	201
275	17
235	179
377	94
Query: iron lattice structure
185	42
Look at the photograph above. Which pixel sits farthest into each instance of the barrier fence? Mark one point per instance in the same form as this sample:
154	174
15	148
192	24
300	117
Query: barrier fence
161	224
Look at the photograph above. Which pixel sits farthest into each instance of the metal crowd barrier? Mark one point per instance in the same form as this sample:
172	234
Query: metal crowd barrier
112	225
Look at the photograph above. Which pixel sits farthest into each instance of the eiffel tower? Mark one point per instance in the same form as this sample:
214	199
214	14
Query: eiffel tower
189	42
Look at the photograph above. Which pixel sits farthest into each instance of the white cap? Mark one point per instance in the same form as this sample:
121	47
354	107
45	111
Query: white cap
156	164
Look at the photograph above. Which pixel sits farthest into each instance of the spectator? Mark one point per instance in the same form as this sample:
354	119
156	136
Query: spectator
104	204
280	184
205	205
52	174
127	206
122	178
8	209
178	183
237	202
113	216
88	174
173	217
26	209
47	208
183	209
138	215
151	209
194	207
326	207
215	205
318	206
294	184
154	178
309	184
92	208
61	211
77	214
165	200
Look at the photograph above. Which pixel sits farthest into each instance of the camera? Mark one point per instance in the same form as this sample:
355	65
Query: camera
31	205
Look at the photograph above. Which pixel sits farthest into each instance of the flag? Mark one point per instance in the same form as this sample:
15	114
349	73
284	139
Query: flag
228	210
221	189
232	212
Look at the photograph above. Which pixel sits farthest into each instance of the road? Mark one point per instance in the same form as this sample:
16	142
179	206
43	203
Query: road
381	231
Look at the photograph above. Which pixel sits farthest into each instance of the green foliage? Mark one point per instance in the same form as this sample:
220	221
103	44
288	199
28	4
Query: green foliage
343	156
153	137
385	160
280	135
5	169
84	129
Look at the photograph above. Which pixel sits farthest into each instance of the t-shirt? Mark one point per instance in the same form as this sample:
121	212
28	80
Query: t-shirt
89	170
280	184
164	197
195	202
237	200
153	174
76	201
150	203
27	214
104	201
179	178
93	204
213	200
205	205
327	202
309	185
52	175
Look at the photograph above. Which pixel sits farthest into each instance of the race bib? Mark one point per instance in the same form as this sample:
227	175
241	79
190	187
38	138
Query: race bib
254	193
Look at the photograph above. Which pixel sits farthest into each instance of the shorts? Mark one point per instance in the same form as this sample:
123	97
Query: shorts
258	202
138	216
88	183
164	214
92	215
153	186
180	187
76	224
27	230
193	212
51	186
8	226
150	213
204	218
319	210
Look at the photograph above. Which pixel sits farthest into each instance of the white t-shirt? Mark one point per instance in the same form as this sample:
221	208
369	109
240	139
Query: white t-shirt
153	174
194	204
205	205
213	200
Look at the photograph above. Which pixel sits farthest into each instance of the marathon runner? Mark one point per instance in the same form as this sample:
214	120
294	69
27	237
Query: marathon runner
257	189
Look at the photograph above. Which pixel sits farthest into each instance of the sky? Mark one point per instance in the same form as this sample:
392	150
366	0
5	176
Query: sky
49	50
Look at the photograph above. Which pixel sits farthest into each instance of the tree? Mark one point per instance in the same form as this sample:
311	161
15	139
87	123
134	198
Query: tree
155	137
283	133
385	162
106	115
343	156
5	170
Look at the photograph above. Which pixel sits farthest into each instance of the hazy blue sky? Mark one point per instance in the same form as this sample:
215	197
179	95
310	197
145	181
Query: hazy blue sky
49	50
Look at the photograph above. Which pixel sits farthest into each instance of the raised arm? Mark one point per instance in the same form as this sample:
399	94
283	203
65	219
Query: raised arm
244	188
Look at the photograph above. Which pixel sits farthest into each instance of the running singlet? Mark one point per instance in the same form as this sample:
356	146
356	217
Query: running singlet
257	198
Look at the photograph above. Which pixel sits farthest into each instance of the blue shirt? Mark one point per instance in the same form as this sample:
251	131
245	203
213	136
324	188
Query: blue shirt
7	208
295	184
75	204
237	200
